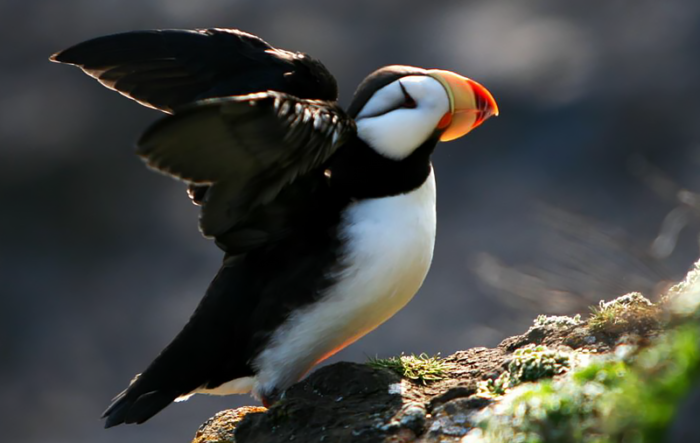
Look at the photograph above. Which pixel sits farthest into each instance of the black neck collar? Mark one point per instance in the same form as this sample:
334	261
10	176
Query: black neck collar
359	172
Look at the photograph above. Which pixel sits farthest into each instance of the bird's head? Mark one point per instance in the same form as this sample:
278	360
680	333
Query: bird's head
398	108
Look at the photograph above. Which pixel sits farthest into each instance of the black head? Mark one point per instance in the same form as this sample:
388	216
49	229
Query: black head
398	108
376	81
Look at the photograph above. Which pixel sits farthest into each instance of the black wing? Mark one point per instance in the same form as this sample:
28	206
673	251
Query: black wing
248	150
262	156
166	69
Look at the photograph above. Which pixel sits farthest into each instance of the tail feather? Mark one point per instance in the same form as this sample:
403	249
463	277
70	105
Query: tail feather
133	407
192	360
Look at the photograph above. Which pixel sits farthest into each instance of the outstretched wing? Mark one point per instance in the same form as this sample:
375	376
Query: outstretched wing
166	69
254	153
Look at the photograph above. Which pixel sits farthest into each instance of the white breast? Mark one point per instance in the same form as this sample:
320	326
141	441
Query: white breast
389	247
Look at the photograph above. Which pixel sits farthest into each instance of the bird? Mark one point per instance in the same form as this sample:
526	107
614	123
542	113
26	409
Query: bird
325	216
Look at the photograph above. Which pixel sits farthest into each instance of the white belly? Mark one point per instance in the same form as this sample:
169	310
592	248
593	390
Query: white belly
389	247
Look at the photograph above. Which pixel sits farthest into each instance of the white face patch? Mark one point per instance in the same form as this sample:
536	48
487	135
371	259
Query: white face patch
395	131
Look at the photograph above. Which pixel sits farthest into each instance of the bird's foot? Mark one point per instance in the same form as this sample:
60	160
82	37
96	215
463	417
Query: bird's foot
271	398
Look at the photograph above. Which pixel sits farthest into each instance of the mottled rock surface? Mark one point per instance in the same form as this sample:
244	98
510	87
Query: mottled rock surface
220	428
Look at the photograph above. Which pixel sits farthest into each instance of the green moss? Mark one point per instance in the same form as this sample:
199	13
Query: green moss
630	395
608	400
627	313
494	388
529	363
535	362
660	378
422	368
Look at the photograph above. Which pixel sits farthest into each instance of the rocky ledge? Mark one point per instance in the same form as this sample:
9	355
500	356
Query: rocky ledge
625	373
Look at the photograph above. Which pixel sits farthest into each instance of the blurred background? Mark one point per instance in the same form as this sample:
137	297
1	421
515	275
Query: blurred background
586	186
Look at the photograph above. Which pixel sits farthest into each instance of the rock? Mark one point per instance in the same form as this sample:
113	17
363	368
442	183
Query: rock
220	428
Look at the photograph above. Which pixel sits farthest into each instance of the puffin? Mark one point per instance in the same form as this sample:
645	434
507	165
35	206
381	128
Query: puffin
325	216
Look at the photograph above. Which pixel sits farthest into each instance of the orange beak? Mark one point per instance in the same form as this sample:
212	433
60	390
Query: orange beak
470	104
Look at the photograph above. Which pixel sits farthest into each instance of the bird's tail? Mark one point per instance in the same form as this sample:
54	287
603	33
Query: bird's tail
188	363
138	403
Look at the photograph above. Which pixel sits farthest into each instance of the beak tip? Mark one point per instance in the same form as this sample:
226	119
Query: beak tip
484	100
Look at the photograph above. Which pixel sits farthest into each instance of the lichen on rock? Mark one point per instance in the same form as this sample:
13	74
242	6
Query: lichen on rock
684	297
557	320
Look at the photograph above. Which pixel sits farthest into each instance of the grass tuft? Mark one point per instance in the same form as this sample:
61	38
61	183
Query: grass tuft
626	313
421	368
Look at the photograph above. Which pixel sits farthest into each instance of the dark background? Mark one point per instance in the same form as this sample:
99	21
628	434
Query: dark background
585	188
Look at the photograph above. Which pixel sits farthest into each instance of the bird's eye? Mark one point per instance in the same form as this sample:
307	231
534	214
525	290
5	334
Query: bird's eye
408	102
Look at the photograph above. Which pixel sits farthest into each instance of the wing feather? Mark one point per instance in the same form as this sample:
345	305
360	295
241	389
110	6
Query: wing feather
168	69
247	149
250	121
